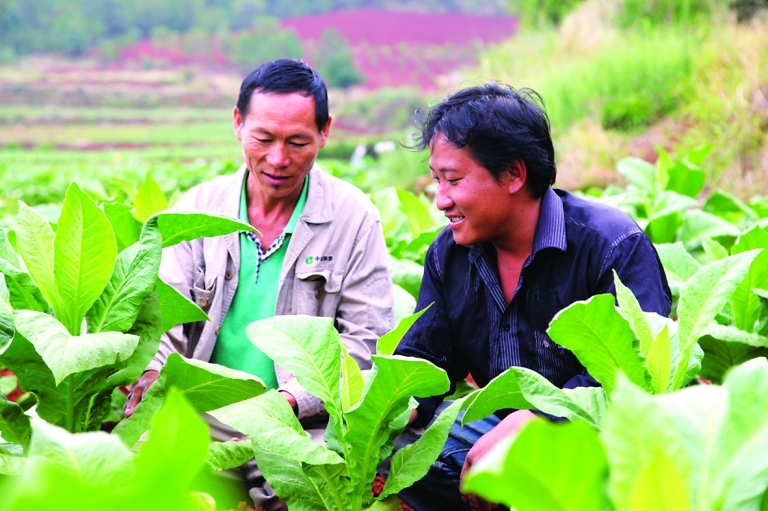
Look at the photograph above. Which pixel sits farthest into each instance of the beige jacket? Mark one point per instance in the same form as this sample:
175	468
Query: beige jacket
335	266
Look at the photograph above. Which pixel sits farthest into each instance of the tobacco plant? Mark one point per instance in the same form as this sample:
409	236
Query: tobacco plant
77	318
367	411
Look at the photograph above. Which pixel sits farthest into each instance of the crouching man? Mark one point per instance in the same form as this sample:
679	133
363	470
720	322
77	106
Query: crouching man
515	252
319	249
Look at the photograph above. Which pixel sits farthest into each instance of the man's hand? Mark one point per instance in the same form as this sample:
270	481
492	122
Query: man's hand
291	401
137	390
511	423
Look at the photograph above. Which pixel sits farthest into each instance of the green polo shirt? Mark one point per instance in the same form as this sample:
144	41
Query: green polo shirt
255	299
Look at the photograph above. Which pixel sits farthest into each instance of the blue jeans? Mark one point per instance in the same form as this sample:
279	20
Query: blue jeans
439	489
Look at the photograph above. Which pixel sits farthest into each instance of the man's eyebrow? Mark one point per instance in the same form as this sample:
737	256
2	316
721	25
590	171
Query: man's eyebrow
301	135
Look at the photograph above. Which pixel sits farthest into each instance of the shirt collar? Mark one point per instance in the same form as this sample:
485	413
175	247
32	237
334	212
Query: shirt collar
550	229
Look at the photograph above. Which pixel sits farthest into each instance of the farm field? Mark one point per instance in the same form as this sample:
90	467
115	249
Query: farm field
657	110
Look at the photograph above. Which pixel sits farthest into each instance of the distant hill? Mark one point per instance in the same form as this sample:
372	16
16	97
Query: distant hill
406	48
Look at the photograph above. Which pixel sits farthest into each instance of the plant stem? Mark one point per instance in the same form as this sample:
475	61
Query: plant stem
70	419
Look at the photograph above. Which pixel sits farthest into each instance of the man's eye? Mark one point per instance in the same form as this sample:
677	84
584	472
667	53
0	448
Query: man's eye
451	181
263	140
297	144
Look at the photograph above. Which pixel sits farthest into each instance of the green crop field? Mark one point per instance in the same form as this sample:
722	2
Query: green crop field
658	108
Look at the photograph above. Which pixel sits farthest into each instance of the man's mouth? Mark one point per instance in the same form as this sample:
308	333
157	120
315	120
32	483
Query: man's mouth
454	219
275	179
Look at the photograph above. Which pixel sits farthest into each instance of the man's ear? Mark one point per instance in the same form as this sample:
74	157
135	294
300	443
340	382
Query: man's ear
517	176
325	131
237	123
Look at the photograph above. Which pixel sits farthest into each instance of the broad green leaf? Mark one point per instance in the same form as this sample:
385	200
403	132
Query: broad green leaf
127	229
397	232
746	305
593	400
407	275
35	244
416	250
555	467
352	382
133	279
638	172
734	335
149	200
94	460
728	207
660	487
391	503
418	216
84	256
743	465
6	250
65	354
148	326
206	386
389	341
10	464
720	354
523	389
412	462
714	250
178	226
699	225
175	308
601	339
8	384
227	455
269	422
635	428
307	488
659	362
14	423
679	265
667	217
698	155
390	386
686	179
630	309
405	303
6	315
702	297
177	444
22	292
698	414
34	375
308	347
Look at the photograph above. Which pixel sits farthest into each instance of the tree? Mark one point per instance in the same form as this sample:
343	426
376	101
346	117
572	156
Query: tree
333	60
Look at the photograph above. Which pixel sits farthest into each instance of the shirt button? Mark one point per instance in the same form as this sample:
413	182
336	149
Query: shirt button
202	302
506	327
228	275
317	294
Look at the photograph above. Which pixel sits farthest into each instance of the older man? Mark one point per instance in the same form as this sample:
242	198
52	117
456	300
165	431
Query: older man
319	249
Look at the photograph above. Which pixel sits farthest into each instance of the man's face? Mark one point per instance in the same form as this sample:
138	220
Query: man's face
475	203
280	141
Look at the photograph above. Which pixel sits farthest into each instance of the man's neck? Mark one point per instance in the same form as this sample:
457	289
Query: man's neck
516	242
269	214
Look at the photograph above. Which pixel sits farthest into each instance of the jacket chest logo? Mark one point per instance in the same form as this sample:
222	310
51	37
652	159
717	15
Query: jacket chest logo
313	259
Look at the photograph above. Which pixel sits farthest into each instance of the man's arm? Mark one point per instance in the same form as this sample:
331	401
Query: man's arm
639	268
430	338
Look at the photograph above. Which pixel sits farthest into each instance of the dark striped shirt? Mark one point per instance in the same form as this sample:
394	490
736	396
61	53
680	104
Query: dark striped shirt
472	329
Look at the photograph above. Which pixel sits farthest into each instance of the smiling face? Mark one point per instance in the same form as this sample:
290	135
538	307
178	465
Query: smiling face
280	142
479	208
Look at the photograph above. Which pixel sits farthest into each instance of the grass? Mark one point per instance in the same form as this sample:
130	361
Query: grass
614	92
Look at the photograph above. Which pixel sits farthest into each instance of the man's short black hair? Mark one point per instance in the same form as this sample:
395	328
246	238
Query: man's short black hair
499	125
285	76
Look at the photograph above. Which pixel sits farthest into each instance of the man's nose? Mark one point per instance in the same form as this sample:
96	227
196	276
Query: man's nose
278	156
444	200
